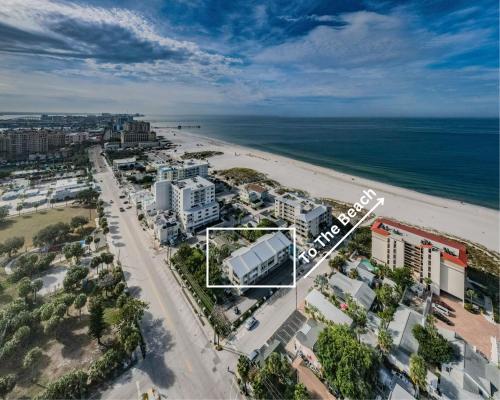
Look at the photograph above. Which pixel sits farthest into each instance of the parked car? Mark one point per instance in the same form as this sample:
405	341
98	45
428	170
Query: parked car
237	310
122	196
440	309
250	323
122	209
441	317
253	355
443	304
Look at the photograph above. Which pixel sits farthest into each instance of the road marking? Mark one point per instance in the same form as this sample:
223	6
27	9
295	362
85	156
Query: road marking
380	201
139	394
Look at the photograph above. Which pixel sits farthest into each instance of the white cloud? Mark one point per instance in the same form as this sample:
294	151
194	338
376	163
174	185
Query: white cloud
106	38
370	39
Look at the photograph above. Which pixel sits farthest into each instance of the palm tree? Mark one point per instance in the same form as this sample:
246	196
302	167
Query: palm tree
471	294
384	340
244	370
418	371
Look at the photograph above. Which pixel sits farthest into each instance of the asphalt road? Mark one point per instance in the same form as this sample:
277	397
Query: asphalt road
181	363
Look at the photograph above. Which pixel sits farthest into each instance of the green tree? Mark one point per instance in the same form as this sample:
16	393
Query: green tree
96	322
300	392
95	262
471	294
321	282
353	273
107	258
433	347
266	223
24	288
32	359
19	208
337	262
402	277
12	245
418	371
88	196
70	386
74	277
7	384
4	213
36	286
358	315
387	296
384	340
131	341
79	303
78	222
73	251
51	234
52	325
132	312
243	368
348	365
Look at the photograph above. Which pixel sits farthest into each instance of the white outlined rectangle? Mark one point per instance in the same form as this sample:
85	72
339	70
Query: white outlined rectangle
292	229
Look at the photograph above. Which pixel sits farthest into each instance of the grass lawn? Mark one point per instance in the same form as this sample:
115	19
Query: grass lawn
29	224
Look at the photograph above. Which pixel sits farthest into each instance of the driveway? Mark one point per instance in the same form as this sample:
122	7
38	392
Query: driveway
474	328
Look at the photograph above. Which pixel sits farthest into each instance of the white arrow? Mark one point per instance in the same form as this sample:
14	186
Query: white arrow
380	201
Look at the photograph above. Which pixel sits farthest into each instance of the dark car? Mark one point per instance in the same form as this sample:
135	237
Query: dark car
441	317
122	209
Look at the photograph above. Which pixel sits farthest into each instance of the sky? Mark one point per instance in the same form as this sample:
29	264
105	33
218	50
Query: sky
292	58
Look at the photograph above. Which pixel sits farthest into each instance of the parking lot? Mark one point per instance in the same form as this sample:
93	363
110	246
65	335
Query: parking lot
474	328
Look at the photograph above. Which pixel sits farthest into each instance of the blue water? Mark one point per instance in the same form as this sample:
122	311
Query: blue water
452	158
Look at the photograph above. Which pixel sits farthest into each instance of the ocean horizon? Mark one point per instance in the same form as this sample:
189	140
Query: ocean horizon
454	158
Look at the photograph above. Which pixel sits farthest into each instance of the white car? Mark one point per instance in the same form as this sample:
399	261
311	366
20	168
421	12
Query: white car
250	323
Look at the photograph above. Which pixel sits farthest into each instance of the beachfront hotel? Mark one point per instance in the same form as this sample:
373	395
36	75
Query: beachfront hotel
192	199
428	255
308	217
248	264
183	170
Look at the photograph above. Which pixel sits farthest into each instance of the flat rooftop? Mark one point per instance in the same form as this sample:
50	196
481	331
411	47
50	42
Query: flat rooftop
197	182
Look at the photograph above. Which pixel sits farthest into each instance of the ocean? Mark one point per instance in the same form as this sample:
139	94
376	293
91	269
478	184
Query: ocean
452	158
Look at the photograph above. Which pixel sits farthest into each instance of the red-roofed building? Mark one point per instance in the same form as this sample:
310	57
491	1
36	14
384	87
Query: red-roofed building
428	255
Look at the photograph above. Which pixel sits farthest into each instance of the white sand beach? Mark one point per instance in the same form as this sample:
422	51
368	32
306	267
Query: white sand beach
467	221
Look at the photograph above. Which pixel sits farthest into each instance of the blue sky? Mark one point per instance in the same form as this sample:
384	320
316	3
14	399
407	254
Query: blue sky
307	58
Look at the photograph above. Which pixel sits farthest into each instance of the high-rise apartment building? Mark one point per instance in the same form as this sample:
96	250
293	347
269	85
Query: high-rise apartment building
56	140
193	200
136	132
309	218
23	142
441	260
184	170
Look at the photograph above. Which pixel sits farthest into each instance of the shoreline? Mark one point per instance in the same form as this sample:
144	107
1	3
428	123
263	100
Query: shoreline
471	222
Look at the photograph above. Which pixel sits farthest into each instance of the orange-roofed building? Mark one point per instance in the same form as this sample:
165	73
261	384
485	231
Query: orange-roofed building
428	255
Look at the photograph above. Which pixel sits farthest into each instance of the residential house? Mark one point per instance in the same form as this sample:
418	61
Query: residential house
343	287
318	302
401	331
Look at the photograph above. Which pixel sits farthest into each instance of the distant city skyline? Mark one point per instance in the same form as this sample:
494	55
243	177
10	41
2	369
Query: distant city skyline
314	58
